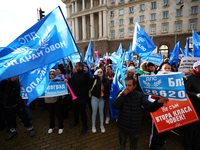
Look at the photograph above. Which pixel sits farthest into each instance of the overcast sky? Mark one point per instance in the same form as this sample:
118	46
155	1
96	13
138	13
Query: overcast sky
16	16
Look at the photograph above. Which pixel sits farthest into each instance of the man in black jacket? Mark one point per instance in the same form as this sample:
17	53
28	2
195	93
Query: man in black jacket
129	102
79	83
191	132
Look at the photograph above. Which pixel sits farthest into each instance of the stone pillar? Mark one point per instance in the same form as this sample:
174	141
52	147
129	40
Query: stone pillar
83	5
84	27
116	2
76	6
92	26
91	3
100	24
100	2
104	2
72	7
73	28
68	11
104	24
76	29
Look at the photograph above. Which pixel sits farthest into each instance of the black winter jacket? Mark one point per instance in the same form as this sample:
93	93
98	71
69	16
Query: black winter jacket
192	86
130	110
97	88
79	84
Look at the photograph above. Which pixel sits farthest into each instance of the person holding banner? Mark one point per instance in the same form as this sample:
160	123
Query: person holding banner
100	92
129	102
79	83
158	140
54	107
191	132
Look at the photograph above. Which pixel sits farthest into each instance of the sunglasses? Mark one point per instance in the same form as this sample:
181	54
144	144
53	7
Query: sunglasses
100	72
52	74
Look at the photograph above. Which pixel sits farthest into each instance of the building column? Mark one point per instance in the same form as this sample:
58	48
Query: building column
91	3
100	2
73	28
76	6
117	2
72	7
83	5
100	24
104	24
76	29
68	11
84	27
104	2
92	26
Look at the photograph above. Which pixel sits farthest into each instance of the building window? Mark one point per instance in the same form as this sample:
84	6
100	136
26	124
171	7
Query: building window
131	9
121	12
121	33
142	7
141	18
121	22
113	3
112	34
153	5
131	20
153	29
166	3
178	26
194	10
121	2
178	12
179	1
164	28
112	23
165	14
153	16
131	32
192	24
112	13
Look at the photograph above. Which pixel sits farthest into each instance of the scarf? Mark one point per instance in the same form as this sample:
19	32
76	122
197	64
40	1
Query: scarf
197	74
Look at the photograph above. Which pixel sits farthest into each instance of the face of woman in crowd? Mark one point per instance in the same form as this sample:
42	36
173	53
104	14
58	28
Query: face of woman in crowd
52	74
166	67
100	73
58	71
130	74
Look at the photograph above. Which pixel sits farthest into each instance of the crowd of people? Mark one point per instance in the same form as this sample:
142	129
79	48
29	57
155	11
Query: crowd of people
94	91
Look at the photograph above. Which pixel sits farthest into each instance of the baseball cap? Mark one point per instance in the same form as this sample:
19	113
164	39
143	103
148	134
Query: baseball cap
196	64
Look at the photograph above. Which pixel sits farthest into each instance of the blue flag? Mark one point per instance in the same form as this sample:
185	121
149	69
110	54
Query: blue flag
187	47
175	54
196	44
130	56
46	42
89	52
120	50
35	82
183	52
96	62
142	43
116	86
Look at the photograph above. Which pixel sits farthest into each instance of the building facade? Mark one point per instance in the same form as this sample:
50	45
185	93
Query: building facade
111	22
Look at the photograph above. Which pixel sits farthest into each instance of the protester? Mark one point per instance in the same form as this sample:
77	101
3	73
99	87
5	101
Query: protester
110	75
100	92
14	104
54	107
129	102
79	83
191	132
158	140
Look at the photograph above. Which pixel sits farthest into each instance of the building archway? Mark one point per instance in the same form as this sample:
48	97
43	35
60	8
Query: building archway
164	50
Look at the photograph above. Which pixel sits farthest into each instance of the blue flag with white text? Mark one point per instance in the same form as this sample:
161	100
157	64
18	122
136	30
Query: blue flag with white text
142	43
48	41
35	82
175	54
196	44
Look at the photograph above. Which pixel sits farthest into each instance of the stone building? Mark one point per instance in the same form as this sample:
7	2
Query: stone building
111	22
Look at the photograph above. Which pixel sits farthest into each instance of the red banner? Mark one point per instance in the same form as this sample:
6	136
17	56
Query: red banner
174	114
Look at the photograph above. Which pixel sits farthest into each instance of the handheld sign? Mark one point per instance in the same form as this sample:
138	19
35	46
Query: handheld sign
165	85
174	114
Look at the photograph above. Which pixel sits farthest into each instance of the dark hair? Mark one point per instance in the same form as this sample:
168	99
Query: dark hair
80	64
101	65
61	68
160	67
148	64
109	66
129	78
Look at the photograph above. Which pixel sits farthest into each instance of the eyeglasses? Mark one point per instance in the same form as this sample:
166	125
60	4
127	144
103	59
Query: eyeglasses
100	72
52	74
